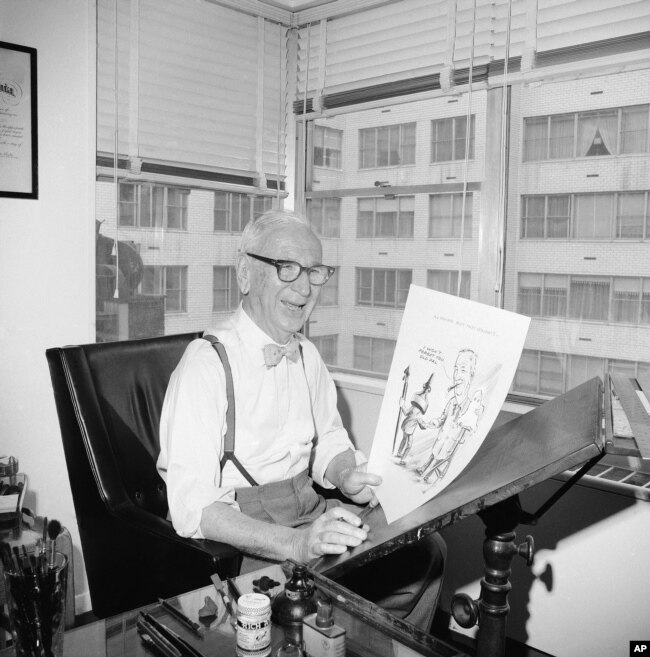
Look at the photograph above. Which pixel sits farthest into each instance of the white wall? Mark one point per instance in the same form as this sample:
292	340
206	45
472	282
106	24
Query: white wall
586	594
47	248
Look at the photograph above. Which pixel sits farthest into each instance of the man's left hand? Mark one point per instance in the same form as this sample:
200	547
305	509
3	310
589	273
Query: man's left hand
355	483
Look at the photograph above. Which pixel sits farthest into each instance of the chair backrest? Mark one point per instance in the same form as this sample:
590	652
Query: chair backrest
109	397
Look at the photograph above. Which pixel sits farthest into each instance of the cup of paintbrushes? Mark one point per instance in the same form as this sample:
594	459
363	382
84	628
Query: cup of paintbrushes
36	590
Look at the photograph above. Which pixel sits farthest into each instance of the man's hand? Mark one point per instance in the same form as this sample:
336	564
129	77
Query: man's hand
355	482
333	533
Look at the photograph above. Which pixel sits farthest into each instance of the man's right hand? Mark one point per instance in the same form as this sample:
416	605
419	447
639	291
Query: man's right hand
333	533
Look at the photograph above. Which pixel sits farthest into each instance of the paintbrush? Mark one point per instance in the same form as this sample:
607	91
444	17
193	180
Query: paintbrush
53	530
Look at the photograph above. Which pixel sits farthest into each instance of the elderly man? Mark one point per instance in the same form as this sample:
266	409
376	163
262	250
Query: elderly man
243	475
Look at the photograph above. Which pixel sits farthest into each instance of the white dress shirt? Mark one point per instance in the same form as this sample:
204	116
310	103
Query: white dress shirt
286	421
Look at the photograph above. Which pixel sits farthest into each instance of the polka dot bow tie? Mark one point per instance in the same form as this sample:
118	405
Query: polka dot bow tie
274	353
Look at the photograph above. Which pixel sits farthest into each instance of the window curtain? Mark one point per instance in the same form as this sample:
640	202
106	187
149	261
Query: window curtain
594	124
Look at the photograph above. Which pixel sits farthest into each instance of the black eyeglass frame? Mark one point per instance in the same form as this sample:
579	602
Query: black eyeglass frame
280	264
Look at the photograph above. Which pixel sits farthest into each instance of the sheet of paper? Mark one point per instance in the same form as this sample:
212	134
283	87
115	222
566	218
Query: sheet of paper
452	368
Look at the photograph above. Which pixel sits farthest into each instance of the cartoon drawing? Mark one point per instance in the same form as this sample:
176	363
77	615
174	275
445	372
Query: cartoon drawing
452	367
414	417
458	420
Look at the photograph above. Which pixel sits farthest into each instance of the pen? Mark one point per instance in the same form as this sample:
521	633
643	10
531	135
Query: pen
161	642
180	616
176	641
232	587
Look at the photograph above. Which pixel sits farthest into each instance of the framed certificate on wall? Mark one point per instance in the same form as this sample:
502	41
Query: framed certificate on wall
18	122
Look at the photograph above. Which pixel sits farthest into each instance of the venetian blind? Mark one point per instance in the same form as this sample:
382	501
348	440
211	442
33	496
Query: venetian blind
198	85
565	23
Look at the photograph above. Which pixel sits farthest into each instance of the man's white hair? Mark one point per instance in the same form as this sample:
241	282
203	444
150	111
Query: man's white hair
257	230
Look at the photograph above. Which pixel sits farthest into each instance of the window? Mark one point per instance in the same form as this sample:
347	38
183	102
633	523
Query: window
387	146
446	280
550	374
540	373
632	215
386	217
634	129
593	216
225	291
329	293
603	216
327	346
586	298
232	210
327	147
593	133
450	216
449	139
545	216
325	216
383	287
589	298
152	206
373	354
167	281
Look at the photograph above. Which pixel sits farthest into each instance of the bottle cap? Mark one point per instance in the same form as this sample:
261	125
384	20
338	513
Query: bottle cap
324	613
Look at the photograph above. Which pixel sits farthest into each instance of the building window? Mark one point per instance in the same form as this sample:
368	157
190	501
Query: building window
327	346
373	354
446	280
225	291
617	299
447	216
325	216
602	216
545	217
153	206
632	216
550	374
449	139
232	210
540	373
329	293
543	295
386	217
589	298
387	146
594	133
383	287
327	147
167	281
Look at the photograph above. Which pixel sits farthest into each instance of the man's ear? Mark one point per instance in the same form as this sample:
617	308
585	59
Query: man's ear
243	274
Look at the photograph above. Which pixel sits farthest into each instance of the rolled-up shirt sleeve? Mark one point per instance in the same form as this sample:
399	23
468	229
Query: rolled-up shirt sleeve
331	436
193	423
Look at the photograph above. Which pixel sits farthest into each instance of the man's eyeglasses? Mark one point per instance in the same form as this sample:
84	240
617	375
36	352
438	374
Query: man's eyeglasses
288	270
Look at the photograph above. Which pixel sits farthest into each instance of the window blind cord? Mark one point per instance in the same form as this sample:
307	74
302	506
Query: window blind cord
468	124
281	124
500	264
304	135
116	251
304	119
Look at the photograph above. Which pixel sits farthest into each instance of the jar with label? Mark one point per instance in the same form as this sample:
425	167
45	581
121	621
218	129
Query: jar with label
253	625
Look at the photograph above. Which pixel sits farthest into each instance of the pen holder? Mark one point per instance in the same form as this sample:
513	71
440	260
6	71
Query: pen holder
36	603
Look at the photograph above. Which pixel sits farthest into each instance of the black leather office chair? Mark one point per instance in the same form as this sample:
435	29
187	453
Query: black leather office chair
108	398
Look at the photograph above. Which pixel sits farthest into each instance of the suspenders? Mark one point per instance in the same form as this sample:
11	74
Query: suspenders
229	440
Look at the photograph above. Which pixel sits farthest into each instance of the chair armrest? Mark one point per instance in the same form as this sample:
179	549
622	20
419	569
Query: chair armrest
144	521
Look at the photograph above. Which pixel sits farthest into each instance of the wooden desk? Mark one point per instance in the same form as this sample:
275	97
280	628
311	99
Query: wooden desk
368	634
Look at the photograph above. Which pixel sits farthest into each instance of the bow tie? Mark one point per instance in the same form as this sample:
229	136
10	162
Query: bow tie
273	353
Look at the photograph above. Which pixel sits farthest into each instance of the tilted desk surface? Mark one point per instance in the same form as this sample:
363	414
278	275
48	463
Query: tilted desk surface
561	434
